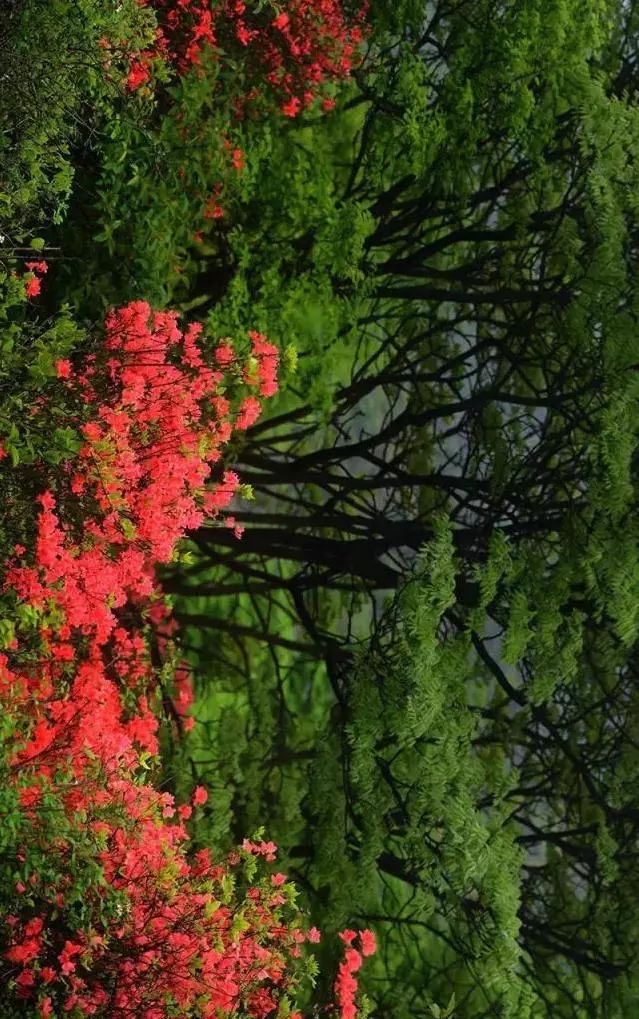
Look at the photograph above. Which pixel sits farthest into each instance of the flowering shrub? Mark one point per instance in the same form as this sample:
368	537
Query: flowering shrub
290	53
198	146
109	913
117	921
147	453
107	909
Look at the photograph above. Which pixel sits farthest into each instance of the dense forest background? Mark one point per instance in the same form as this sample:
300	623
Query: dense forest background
411	658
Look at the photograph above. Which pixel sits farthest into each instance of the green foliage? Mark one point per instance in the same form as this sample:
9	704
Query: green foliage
418	668
452	773
417	795
53	87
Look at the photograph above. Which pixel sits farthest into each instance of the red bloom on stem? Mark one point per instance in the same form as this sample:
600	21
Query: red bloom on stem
32	286
30	795
346	982
200	796
291	107
63	368
224	354
138	75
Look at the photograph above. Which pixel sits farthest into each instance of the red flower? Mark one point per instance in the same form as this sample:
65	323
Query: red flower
224	354
46	500
291	107
30	795
200	796
212	209
63	368
25	952
138	75
32	287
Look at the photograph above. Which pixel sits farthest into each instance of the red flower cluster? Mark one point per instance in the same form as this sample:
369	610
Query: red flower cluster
163	935
346	983
148	452
123	921
292	53
160	932
33	282
266	357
